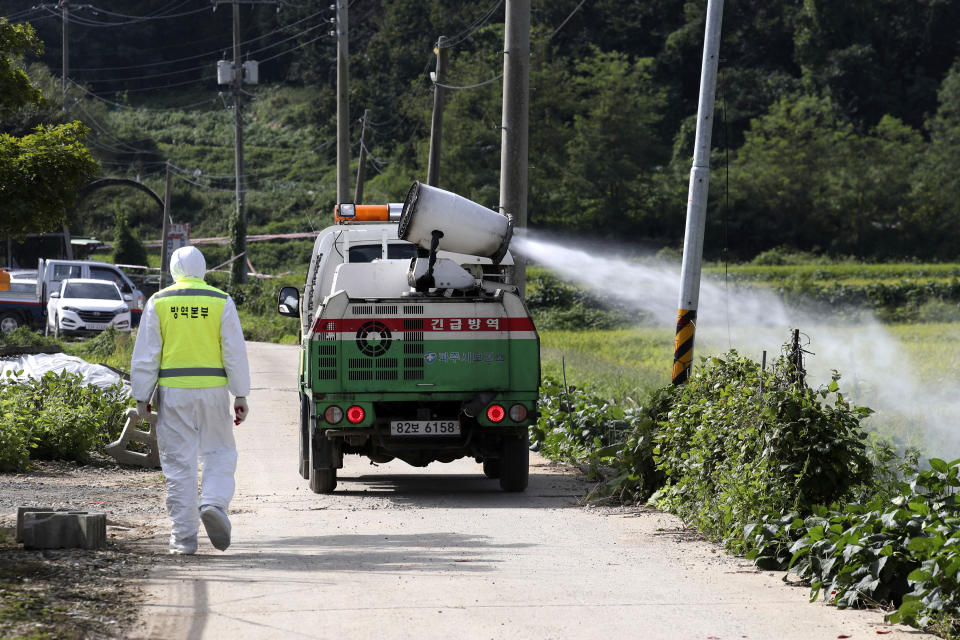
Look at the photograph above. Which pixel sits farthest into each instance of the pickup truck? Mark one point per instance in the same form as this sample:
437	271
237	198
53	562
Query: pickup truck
19	305
28	308
417	354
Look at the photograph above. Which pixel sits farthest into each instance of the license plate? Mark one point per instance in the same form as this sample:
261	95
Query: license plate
96	326
424	427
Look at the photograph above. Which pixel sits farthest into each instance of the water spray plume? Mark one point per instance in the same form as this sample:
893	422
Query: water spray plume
876	371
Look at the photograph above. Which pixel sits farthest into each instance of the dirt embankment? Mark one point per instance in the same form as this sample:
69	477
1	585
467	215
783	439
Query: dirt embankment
74	593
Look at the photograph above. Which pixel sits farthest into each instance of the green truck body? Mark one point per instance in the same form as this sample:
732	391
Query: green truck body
388	372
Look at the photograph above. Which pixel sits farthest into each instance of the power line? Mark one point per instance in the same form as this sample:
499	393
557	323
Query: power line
469	31
88	22
215	51
469	86
211	100
566	20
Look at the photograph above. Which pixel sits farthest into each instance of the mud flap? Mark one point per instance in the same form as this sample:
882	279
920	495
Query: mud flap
326	452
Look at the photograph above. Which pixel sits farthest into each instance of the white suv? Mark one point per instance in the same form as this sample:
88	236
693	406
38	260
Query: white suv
86	306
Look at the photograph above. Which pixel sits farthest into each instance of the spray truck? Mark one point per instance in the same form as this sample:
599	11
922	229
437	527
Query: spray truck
414	344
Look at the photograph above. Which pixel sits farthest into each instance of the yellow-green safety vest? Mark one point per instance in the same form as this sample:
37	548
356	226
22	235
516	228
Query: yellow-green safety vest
189	313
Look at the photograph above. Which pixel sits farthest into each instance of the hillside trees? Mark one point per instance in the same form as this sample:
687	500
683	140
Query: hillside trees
808	179
39	172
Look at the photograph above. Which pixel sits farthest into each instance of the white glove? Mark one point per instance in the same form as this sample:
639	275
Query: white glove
240	409
143	408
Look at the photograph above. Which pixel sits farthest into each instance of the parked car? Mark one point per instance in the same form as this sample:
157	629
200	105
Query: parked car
50	273
84	306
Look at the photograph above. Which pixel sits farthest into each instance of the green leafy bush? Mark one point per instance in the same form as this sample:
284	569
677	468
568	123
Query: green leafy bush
739	443
26	337
56	417
901	550
579	427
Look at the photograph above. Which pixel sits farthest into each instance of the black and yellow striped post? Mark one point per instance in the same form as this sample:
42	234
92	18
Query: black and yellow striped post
683	346
697	201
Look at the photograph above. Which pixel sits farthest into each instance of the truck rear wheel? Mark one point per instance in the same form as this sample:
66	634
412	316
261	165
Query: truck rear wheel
322	480
515	463
491	467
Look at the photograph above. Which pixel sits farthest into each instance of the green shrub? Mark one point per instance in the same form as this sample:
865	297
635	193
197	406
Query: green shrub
578	427
14	431
56	417
739	443
110	347
26	337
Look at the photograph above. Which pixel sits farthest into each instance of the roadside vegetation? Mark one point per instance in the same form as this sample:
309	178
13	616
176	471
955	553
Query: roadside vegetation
779	471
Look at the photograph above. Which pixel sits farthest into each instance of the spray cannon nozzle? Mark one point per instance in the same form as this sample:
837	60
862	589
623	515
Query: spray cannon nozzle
465	226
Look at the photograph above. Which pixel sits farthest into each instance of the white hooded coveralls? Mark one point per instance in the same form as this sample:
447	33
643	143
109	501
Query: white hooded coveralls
194	424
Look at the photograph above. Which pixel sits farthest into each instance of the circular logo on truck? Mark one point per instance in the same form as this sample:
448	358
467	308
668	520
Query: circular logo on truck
373	339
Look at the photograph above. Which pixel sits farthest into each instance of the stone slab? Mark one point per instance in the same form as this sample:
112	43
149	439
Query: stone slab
39	529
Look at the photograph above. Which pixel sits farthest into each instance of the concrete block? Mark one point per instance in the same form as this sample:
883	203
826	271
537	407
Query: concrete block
133	432
46	529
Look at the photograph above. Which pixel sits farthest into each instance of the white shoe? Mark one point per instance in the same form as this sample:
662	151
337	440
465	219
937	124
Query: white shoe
217	524
184	547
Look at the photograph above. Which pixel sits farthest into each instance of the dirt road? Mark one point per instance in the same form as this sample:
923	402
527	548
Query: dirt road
440	552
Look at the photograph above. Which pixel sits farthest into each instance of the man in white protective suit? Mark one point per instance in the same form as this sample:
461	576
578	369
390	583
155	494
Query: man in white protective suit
190	344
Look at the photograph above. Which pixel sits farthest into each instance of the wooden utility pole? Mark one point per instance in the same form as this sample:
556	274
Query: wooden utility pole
513	141
65	47
343	104
436	123
238	235
165	235
697	200
362	160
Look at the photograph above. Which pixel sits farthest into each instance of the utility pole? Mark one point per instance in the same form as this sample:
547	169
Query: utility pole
436	124
343	104
362	161
65	48
513	140
165	235
238	240
697	201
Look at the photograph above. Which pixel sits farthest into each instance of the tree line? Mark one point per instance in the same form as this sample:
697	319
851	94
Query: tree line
835	125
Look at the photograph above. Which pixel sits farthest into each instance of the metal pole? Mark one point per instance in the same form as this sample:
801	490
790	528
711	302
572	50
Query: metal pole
436	124
362	160
238	242
697	202
65	48
513	140
165	235
343	105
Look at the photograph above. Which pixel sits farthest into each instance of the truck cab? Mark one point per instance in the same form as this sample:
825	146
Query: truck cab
410	353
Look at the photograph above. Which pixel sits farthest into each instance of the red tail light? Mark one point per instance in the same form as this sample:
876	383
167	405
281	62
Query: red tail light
495	413
355	414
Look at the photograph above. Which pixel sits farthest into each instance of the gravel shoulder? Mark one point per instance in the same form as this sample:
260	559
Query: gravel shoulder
74	593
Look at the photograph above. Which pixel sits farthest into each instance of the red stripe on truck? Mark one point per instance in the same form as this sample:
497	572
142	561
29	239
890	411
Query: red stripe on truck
466	325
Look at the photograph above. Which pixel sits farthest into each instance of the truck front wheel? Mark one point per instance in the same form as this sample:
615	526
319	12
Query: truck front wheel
304	460
515	463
